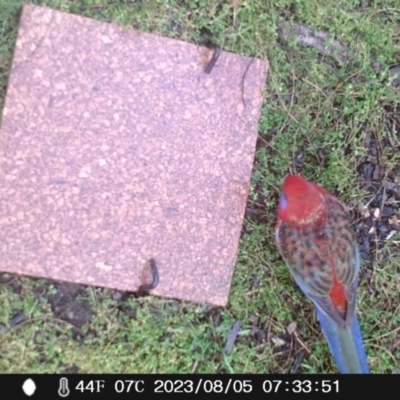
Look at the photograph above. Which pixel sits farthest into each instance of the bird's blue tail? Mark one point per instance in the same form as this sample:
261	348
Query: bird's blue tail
346	345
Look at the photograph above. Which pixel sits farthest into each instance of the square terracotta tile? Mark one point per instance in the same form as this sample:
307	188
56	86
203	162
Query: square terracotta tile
116	147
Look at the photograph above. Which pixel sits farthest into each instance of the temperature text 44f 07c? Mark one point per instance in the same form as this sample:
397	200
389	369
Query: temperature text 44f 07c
120	386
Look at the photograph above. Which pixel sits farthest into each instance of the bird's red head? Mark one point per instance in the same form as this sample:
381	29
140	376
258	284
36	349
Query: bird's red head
301	201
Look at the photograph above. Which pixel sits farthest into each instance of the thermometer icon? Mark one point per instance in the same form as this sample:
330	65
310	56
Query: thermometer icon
63	391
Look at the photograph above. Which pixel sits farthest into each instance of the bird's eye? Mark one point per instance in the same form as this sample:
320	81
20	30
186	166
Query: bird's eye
282	202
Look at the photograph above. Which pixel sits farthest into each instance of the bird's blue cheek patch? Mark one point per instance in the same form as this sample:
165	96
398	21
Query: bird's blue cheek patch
283	202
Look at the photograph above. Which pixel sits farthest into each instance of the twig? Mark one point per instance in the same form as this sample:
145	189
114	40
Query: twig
145	288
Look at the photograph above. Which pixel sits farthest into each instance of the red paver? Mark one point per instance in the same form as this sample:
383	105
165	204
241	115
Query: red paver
116	147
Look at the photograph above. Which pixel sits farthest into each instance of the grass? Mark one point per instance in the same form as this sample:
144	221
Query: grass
317	117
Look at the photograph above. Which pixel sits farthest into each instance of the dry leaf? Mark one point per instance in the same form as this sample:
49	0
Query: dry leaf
291	327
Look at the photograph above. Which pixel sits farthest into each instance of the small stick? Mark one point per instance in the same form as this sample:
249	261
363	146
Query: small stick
145	288
210	65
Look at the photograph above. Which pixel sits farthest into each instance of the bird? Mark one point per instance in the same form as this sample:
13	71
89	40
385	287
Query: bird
314	237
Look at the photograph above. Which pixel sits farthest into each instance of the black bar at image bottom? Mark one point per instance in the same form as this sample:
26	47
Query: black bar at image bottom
98	386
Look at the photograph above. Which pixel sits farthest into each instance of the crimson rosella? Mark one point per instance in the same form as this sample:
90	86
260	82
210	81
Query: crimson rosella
314	237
